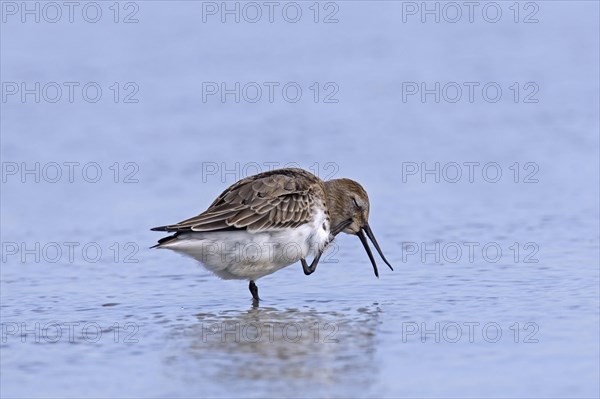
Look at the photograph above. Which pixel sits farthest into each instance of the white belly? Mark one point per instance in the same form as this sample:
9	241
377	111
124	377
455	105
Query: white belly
250	256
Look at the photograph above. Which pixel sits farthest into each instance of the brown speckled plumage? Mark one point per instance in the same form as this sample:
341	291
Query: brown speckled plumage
275	199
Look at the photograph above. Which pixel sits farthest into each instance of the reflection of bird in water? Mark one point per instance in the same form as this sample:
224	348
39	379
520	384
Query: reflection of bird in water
281	216
291	351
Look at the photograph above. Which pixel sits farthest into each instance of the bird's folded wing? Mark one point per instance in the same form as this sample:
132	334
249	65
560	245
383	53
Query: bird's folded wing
257	203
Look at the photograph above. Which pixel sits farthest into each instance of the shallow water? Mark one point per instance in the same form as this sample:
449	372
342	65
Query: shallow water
455	318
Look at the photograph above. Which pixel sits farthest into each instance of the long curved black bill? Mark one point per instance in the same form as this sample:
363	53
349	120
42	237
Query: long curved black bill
365	243
371	236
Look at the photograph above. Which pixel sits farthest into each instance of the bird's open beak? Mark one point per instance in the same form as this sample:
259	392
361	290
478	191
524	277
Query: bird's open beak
361	234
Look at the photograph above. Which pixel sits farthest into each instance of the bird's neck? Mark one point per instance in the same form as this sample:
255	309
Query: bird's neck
335	201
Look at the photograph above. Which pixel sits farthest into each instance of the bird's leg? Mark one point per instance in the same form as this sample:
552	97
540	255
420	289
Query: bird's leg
254	291
313	266
308	270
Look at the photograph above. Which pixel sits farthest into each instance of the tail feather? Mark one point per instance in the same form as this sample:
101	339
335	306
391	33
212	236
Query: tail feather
165	240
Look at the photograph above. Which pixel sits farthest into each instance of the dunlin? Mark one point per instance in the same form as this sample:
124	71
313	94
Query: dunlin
271	220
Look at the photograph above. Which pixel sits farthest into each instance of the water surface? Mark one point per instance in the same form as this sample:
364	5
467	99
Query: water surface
146	323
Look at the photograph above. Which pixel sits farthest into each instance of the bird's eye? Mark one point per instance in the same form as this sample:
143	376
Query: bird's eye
355	203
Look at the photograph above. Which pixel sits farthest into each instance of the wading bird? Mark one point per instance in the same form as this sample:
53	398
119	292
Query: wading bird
271	220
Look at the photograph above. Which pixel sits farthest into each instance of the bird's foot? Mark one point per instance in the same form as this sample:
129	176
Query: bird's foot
254	291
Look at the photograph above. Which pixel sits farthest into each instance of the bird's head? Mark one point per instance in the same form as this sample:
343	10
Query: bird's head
348	204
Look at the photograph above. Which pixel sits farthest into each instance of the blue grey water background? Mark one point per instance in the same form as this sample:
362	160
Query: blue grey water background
170	329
